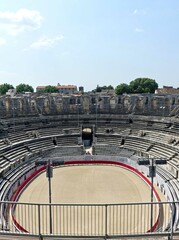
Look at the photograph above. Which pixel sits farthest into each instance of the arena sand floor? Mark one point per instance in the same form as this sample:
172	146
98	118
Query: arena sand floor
91	184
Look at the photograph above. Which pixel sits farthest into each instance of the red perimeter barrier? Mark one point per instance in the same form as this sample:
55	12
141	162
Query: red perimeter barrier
17	194
76	162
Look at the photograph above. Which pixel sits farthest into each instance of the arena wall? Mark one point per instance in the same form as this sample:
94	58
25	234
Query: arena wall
81	162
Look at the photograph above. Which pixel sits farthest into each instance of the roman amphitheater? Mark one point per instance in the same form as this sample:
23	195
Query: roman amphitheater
89	166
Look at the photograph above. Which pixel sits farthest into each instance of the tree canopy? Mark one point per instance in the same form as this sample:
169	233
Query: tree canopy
122	88
21	88
100	88
5	87
139	85
50	89
143	85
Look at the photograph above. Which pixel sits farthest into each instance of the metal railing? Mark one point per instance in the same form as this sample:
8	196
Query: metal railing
88	220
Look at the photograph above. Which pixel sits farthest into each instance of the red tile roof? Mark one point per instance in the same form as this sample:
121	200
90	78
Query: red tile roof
60	86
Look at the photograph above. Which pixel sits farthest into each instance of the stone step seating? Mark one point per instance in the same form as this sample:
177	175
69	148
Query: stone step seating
67	140
7	191
174	129
162	151
2	144
175	161
4	184
102	129
126	152
109	139
153	127
175	190
71	130
73	151
12	175
166	175
159	125
16	137
156	136
166	136
40	145
33	126
172	167
50	131
106	149
16	153
175	126
67	151
149	125
134	131
4	163
173	186
136	144
139	125
126	132
112	129
120	129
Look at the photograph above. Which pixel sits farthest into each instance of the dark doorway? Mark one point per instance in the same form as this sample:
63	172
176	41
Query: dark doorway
87	137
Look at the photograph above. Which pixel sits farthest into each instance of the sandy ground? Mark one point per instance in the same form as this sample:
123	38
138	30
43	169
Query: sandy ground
91	184
88	184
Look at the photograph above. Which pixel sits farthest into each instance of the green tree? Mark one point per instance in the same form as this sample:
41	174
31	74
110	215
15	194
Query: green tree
122	88
110	87
100	88
51	89
21	88
143	85
5	87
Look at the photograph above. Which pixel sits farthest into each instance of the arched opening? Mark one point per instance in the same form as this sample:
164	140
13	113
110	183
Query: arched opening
130	120
87	137
122	141
54	141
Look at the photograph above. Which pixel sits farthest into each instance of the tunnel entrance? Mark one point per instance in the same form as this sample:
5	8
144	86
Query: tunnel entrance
87	137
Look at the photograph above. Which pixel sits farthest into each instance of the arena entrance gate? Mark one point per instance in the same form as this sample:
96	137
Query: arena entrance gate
87	136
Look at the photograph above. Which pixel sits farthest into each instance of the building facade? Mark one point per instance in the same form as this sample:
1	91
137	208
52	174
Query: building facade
63	89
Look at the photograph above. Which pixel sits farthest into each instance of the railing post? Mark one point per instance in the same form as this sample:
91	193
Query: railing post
152	194
106	221
172	222
39	222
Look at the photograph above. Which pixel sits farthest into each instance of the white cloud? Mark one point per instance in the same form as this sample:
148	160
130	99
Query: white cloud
139	30
135	11
139	12
46	42
15	22
2	41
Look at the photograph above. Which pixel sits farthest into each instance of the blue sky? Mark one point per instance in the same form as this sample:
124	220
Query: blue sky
89	42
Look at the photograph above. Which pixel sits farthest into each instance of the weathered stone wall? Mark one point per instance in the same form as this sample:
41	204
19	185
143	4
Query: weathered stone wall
50	104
